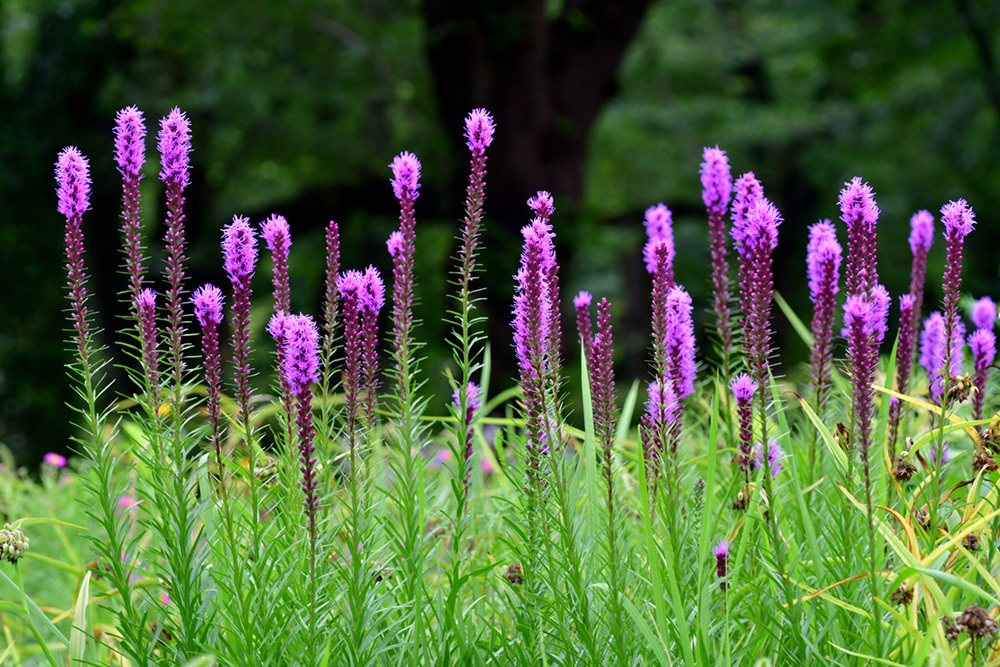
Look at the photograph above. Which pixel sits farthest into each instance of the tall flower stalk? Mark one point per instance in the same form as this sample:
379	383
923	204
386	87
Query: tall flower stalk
865	326
860	213
208	303
87	370
983	345
904	365
584	326
277	236
823	259
717	186
130	155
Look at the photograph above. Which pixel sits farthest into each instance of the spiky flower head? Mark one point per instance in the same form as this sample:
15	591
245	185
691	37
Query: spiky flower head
716	180
473	396
276	234
774	456
542	205
395	243
747	191
479	128
130	147
934	347
583	299
276	326
239	249
174	145
301	362
921	231
659	231
661	402
721	553
405	176
208	301
73	179
372	297
680	342
984	313
743	388
823	257
983	344
958	219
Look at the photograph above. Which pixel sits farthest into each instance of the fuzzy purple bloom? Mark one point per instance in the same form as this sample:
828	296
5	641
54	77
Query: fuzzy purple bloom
394	244
405	176
659	232
479	129
73	180
921	232
774	456
208	301
657	426
300	371
860	213
983	344
145	309
921	238
958	221
984	313
823	261
351	289
276	234
679	343
747	192
744	388
717	187
473	397
934	352
759	237
130	148
174	144
584	326
542	205
721	553
239	249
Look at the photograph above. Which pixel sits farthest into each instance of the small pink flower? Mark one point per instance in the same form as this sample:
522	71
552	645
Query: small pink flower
486	465
164	598
127	502
444	456
55	460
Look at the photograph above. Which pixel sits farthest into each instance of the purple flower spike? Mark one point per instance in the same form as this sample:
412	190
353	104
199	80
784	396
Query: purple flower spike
823	261
774	456
860	213
299	372
174	145
130	148
542	205
659	232
759	237
536	328
351	290
406	176
145	309
934	352
602	383
208	302
959	221
721	553
717	187
276	327
276	234
904	365
73	179
479	128
394	243
744	388
239	249
473	397
330	294
921	232
680	343
584	326
747	192
983	343
984	313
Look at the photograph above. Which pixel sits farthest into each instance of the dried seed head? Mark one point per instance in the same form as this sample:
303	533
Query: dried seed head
951	631
515	574
904	470
740	505
923	519
984	461
971	541
977	622
902	596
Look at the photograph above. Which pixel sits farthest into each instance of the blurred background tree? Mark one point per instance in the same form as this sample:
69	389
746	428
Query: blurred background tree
298	107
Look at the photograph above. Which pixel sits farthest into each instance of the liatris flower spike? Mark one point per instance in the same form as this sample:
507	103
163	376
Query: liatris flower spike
721	553
865	325
921	238
175	145
73	192
479	130
904	365
774	457
984	313
933	352
958	221
656	422
145	308
983	344
276	234
659	232
473	397
130	155
300	371
371	301
240	253
208	302
747	191
716	191
823	260
860	213
679	343
743	388
584	327
330	293
759	239
602	381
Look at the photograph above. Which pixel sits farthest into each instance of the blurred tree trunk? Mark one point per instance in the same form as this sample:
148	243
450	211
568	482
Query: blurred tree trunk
545	77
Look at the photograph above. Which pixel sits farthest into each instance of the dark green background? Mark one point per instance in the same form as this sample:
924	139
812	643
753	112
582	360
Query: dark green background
297	107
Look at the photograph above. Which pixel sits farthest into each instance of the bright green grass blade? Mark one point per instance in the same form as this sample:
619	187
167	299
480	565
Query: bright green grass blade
652	640
589	452
78	633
